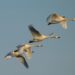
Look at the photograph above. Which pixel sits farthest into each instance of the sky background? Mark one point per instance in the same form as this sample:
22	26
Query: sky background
57	57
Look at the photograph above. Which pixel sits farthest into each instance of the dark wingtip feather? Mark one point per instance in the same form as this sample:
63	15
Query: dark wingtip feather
24	62
26	65
30	26
49	23
34	30
31	41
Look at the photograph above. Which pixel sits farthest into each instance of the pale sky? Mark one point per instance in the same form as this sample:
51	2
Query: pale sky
58	57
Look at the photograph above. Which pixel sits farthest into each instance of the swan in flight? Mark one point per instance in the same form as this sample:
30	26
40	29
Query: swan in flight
17	54
55	18
37	36
26	48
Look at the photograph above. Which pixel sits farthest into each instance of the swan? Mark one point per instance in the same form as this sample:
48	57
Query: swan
38	37
17	54
55	18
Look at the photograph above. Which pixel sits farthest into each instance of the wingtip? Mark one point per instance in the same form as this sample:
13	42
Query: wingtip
30	25
49	23
31	41
26	66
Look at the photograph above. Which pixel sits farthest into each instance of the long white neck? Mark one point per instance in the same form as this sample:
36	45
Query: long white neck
53	36
40	45
71	19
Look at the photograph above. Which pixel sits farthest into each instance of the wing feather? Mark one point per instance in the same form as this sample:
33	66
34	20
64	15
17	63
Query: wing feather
64	24
23	61
34	31
29	53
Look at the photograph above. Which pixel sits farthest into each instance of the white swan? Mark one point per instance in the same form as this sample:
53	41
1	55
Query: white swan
17	54
58	19
37	36
26	48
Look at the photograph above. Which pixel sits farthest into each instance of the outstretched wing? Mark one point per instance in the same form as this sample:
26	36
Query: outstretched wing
34	31
48	18
64	24
19	46
28	53
23	61
53	18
